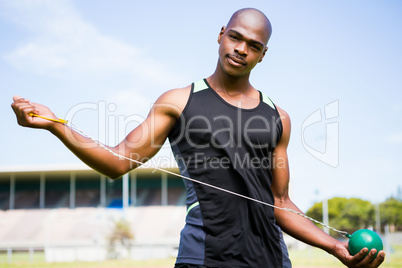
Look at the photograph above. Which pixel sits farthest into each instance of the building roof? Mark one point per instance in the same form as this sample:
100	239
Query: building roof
76	168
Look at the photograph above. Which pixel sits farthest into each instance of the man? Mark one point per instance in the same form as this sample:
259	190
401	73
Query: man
226	133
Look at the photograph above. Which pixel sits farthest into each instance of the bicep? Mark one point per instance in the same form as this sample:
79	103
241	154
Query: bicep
280	173
280	168
144	141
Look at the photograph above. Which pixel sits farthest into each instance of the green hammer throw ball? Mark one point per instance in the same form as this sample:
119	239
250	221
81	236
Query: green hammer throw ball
364	238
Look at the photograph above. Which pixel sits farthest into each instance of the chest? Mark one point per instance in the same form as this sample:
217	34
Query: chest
219	125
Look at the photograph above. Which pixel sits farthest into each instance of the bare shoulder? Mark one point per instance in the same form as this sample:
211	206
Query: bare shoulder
283	114
285	124
173	101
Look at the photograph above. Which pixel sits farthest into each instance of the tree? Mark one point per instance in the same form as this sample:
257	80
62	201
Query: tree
391	213
345	214
120	240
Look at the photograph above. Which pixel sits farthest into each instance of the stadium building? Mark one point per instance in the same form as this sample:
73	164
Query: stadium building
69	213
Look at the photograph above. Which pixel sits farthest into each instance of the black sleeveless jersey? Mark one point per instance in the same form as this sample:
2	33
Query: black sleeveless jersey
229	147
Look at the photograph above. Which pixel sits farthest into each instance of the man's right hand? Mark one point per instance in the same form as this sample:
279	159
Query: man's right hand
141	143
23	107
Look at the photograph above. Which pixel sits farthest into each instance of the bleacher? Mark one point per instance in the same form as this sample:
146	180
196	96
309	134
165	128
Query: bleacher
69	213
58	230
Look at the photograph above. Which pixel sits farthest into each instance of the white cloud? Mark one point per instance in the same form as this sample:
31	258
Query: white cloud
62	43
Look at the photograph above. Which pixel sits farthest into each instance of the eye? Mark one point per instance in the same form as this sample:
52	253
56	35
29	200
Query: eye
233	37
256	47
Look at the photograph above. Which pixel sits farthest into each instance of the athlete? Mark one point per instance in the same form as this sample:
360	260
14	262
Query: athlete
223	132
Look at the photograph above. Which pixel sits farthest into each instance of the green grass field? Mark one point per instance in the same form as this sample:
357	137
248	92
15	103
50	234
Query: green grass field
308	258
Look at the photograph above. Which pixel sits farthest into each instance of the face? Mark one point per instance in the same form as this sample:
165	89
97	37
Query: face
242	45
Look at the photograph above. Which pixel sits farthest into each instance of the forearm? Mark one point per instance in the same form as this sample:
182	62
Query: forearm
91	153
302	228
140	144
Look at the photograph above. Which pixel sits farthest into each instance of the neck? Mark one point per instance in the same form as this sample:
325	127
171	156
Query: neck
220	80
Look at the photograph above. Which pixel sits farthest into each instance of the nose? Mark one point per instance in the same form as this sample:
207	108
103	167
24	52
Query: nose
241	48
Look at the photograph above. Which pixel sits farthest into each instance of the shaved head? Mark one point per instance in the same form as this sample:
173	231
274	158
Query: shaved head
253	17
243	42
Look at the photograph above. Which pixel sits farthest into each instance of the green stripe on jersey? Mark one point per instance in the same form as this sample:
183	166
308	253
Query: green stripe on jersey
200	85
192	206
268	101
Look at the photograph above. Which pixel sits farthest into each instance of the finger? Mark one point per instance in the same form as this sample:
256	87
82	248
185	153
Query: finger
360	255
18	98
367	261
379	259
21	108
23	117
33	104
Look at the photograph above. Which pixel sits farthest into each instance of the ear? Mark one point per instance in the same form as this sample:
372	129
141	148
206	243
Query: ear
221	34
263	54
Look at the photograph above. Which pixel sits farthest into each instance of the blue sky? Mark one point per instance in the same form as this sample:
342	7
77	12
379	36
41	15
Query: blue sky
105	63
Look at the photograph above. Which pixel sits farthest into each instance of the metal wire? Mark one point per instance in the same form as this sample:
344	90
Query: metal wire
342	233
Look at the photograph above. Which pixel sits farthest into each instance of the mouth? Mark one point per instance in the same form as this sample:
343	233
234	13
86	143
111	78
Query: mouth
235	60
